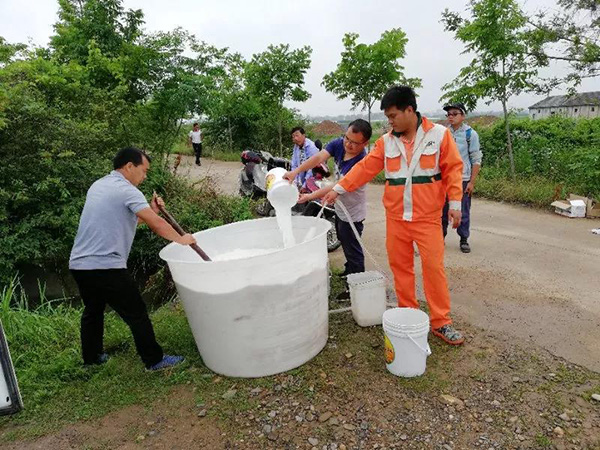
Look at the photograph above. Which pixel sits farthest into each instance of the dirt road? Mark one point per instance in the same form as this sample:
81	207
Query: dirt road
532	275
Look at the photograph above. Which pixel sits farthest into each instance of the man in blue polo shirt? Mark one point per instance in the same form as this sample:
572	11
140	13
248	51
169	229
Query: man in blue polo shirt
303	150
113	208
346	152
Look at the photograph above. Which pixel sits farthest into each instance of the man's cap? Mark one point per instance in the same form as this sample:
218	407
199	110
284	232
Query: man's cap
459	106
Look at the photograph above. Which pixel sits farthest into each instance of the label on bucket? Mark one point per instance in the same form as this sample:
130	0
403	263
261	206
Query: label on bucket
390	354
270	180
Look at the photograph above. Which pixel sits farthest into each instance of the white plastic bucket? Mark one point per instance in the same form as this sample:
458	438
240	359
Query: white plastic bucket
280	192
367	297
259	315
406	346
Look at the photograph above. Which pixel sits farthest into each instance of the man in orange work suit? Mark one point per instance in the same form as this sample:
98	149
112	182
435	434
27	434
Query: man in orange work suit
422	165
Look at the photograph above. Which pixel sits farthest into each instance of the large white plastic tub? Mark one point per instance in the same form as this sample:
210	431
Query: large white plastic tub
260	315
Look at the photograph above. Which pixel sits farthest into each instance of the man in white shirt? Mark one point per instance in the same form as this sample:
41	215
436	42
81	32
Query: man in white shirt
195	139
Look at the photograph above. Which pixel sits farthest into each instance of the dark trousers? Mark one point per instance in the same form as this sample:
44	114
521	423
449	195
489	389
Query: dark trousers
465	221
355	259
116	288
197	151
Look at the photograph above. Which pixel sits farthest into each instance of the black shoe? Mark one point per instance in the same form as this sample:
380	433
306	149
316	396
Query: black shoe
464	246
102	359
343	296
198	163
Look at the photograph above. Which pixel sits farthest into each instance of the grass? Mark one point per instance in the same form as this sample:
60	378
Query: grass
543	441
532	191
45	346
44	343
207	152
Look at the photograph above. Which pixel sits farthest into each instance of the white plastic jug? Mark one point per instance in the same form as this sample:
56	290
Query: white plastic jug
367	297
257	315
406	346
280	192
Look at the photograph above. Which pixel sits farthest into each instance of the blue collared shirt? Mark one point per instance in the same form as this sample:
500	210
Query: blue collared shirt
470	154
299	155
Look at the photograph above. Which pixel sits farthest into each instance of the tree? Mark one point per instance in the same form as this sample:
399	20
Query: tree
571	35
366	72
277	75
502	66
65	110
103	21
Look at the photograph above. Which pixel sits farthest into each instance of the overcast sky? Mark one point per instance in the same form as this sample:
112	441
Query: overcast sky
250	26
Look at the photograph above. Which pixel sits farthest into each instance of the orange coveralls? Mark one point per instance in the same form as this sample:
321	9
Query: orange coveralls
418	179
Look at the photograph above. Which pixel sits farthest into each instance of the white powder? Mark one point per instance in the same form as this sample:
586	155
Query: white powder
284	220
240	253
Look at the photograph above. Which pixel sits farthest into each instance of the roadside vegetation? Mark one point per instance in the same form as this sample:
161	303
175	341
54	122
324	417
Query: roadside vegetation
491	393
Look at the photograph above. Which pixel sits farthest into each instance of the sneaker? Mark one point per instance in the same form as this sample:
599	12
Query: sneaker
448	334
166	362
101	359
464	246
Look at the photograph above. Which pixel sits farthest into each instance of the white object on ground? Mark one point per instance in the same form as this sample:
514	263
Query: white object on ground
596	231
406	346
5	399
367	297
259	315
570	208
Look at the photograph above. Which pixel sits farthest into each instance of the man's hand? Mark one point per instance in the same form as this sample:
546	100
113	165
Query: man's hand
186	239
469	188
156	203
304	198
290	176
454	216
330	198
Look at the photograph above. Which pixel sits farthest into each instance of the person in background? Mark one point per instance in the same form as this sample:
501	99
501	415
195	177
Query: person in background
113	208
422	166
304	149
195	140
467	141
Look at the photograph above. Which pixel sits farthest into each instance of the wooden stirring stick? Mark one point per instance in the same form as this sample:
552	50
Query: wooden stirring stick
169	218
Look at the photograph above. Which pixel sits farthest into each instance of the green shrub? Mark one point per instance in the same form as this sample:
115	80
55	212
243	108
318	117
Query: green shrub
496	184
553	151
45	348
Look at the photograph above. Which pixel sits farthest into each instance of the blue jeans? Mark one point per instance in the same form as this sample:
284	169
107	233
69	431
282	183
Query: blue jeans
465	222
355	259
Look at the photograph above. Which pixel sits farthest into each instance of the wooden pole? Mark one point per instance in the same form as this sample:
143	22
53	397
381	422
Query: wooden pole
169	218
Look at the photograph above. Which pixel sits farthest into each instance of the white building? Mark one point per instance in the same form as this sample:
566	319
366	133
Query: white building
586	104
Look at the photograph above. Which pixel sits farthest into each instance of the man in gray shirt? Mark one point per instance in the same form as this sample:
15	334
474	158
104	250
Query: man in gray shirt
113	208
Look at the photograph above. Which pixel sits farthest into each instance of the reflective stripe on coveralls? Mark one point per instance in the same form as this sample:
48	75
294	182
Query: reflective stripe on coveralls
427	143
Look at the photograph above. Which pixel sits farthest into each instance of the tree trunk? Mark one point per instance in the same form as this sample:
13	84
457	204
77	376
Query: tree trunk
369	106
230	135
507	125
509	142
280	137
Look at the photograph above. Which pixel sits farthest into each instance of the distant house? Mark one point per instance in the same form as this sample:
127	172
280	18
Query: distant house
586	104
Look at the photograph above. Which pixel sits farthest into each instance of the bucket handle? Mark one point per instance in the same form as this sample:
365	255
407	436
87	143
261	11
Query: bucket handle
426	350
